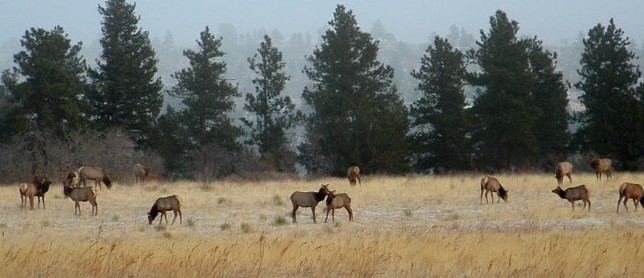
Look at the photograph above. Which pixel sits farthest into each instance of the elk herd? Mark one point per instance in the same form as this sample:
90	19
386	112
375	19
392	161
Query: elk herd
75	187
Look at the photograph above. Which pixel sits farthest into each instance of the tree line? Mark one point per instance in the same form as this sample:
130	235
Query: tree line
57	112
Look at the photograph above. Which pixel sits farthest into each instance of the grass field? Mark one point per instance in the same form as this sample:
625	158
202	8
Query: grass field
404	227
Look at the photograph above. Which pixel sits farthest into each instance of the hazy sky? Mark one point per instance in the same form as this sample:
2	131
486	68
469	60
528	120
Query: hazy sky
553	21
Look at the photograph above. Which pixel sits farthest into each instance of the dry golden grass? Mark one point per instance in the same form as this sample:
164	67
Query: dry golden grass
404	226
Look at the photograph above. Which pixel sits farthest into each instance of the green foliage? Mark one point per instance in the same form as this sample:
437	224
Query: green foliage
126	91
439	126
519	114
273	113
613	121
357	116
45	90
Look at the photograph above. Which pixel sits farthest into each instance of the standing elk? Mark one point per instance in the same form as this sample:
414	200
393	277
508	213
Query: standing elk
140	173
601	165
308	199
164	204
492	185
37	189
633	191
96	174
82	194
573	194
72	179
353	174
336	201
563	169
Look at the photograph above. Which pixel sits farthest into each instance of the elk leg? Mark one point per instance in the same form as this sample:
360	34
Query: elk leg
481	196
179	210
293	214
625	201
175	216
327	215
573	205
569	178
313	210
619	201
350	213
635	204
588	204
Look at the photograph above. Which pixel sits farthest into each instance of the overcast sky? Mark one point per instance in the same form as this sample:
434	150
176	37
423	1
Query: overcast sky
553	21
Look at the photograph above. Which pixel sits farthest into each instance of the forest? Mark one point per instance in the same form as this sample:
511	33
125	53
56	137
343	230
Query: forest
259	105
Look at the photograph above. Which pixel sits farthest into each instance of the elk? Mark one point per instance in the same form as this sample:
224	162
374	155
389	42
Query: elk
140	173
37	189
491	185
82	194
163	204
335	201
72	179
633	191
573	194
563	169
353	174
308	199
601	165
96	174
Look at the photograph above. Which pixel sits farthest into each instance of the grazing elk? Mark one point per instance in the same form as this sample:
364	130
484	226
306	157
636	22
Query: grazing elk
37	189
96	174
82	194
491	185
140	173
335	201
308	199
353	174
573	194
601	165
633	191
563	169
164	204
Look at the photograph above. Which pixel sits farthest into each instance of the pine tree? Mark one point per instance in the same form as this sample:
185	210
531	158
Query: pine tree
207	95
550	99
127	92
273	113
613	122
504	114
439	127
358	117
47	85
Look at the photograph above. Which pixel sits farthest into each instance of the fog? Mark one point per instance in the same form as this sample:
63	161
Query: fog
553	21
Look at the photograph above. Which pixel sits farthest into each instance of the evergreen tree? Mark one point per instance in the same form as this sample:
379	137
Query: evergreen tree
439	128
358	117
504	114
207	96
550	99
274	114
171	141
127	92
47	86
613	122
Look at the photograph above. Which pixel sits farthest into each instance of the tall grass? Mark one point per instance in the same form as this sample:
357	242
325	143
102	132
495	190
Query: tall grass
448	234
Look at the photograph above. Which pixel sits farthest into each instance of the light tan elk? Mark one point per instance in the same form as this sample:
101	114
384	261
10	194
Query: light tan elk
336	201
563	169
308	199
628	191
601	165
37	188
140	173
96	174
164	204
353	174
492	185
82	194
573	194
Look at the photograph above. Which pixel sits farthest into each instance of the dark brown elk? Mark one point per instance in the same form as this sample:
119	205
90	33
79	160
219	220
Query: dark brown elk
37	189
82	194
573	194
562	170
308	199
336	201
353	174
628	191
96	174
601	165
492	185
164	204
